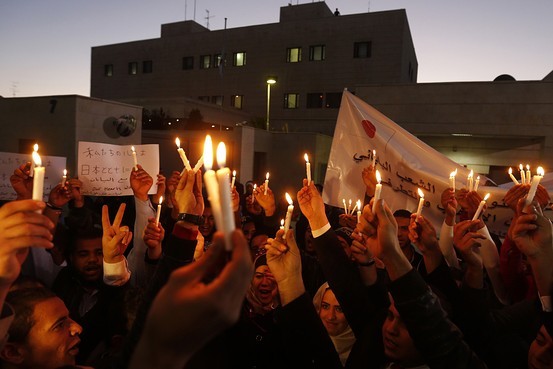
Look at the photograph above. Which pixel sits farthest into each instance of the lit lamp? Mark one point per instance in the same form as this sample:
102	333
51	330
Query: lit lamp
270	81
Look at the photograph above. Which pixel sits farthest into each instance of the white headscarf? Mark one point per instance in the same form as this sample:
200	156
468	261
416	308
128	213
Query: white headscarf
344	341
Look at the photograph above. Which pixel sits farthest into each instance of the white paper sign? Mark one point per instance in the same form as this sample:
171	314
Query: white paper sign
9	162
105	169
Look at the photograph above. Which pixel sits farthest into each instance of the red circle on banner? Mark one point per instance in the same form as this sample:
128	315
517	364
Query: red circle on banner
369	128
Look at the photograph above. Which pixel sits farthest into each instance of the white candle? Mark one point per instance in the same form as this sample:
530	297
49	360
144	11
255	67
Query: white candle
266	183
64	177
233	179
480	207
534	186
421	203
288	218
158	214
210	180
377	190
528	174
359	211
522	174
32	171
198	164
183	155
470	180
282	224
374	159
253	192
355	207
307	169
512	176
452	179
349	208
345	206
476	183
223	177
134	159
38	180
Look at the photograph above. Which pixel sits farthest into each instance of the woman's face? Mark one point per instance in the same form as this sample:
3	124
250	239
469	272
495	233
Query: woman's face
264	285
331	314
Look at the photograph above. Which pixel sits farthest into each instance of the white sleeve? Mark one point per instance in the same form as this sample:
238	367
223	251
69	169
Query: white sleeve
446	246
137	265
116	274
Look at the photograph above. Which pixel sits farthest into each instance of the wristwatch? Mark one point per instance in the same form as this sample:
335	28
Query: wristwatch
191	218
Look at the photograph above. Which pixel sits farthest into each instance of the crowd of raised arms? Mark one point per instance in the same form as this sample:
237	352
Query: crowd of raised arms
100	282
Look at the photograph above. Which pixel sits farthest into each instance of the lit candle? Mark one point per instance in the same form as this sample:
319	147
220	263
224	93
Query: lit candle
38	180
534	186
288	218
374	159
355	207
421	203
480	207
210	180
183	155
358	211
345	206
349	208
282	224
223	177
512	176
253	192
522	174
266	183
470	180
307	168
377	190
452	179
64	177
134	159
528	174
233	179
198	164
476	183
32	171
158	214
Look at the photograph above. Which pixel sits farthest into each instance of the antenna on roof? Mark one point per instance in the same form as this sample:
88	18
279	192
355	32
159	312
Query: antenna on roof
207	18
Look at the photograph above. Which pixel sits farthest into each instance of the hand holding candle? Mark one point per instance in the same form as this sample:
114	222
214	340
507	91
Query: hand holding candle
377	190
135	167
38	180
266	183
307	168
534	186
158	214
480	207
289	212
421	203
512	176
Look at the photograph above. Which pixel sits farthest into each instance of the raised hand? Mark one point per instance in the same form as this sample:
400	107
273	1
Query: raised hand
161	184
312	205
115	238
75	185
188	194
467	240
369	179
267	202
21	182
59	196
141	182
532	232
153	237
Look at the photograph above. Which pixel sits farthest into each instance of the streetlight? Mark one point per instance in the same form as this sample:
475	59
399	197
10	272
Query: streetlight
270	81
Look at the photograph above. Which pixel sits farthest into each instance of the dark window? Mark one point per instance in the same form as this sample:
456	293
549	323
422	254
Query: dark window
205	61
317	52
362	49
133	67
333	100
314	100
108	70
239	59
291	101
203	98
293	55
147	66
218	100
188	62
236	101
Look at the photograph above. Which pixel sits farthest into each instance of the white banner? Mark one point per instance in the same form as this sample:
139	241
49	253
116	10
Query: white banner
105	169
9	162
405	163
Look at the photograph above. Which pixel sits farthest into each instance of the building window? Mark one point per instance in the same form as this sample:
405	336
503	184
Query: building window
188	62
108	70
205	61
217	60
362	49
291	101
217	100
133	67
203	98
236	101
239	59
147	66
317	52
293	55
333	100
314	100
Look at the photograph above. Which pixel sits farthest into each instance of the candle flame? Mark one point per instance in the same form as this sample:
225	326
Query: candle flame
35	147
177	141
306	158
471	174
478	178
421	194
254	186
282	222
527	166
359	204
520	166
540	171
132	148
65	172
453	174
37	159
487	196
510	170
208	153
221	155
234	173
289	199
378	177
160	200
267	176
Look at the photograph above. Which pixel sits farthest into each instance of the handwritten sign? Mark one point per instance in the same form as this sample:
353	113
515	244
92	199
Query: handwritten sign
105	169
9	162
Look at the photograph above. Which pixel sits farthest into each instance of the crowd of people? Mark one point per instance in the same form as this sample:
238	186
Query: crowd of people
102	282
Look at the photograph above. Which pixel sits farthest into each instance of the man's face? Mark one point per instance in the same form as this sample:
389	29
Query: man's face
398	344
331	314
264	285
257	245
540	355
207	228
403	231
249	230
53	340
87	259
